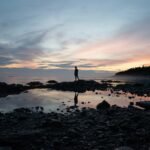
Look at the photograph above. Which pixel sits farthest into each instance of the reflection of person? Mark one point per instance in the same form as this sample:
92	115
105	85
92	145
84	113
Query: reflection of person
76	98
76	73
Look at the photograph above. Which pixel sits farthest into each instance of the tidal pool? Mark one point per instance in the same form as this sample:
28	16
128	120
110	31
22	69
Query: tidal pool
60	101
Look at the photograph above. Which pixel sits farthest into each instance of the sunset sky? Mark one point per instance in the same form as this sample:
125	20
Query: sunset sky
107	35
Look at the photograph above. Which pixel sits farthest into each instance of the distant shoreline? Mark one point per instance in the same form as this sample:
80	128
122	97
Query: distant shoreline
135	72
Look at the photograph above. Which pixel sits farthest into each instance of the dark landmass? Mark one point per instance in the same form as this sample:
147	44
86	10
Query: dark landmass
78	86
139	71
107	128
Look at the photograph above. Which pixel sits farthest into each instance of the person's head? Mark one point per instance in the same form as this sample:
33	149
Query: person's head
75	67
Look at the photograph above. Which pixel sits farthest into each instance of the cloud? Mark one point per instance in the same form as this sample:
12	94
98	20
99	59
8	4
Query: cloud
26	47
130	45
6	61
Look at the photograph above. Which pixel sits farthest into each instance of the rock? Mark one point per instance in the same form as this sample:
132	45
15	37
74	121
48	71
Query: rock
22	110
52	123
35	84
57	145
144	104
73	133
131	97
52	82
123	148
5	148
103	105
131	103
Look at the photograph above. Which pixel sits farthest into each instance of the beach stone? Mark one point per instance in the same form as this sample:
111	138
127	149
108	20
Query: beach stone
124	148
5	148
52	123
73	133
103	105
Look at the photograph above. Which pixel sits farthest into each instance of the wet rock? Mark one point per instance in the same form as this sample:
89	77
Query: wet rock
73	133
57	145
131	97
5	148
103	105
52	82
79	86
35	84
55	123
131	103
7	89
22	110
124	148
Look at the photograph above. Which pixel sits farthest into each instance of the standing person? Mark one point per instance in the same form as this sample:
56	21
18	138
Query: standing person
76	73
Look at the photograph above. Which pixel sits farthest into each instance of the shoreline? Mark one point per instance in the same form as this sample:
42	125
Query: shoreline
81	86
107	127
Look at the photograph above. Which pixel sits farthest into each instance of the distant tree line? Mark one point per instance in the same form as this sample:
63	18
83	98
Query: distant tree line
138	71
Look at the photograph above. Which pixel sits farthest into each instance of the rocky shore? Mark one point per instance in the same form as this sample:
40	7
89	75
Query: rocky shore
111	128
105	128
79	86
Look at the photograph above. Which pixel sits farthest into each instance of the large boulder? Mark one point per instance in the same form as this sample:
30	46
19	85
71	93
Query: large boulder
52	82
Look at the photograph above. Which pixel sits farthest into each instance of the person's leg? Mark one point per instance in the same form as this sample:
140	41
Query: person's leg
75	78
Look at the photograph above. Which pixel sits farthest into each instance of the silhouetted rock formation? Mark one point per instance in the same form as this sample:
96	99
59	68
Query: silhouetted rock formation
35	84
144	104
7	89
52	82
139	71
103	105
79	86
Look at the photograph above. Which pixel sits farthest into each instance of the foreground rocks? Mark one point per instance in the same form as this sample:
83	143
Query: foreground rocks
89	129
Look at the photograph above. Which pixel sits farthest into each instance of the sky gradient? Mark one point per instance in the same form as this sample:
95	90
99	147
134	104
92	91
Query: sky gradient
58	34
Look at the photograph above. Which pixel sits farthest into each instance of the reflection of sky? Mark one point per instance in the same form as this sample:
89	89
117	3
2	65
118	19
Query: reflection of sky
53	100
97	34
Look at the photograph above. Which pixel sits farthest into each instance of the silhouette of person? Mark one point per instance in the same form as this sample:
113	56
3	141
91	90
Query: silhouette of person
76	98
76	73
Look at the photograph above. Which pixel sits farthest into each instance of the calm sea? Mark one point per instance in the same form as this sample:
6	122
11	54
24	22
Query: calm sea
59	101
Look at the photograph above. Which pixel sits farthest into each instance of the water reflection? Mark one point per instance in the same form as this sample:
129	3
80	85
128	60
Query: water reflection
76	99
52	100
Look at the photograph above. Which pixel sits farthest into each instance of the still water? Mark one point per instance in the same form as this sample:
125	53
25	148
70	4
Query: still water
60	101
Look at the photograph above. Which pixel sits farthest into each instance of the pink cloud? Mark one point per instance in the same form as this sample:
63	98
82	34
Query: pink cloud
130	47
